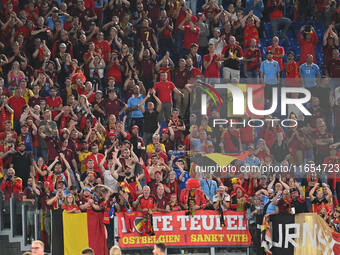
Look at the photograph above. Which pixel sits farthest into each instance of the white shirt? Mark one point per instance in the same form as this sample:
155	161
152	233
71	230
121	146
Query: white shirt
110	181
219	47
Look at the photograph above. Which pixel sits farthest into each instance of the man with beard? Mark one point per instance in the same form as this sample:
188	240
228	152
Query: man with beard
52	143
298	200
146	58
58	175
136	141
161	199
22	163
90	169
165	89
96	157
146	204
11	184
87	203
269	200
150	116
146	33
153	184
128	157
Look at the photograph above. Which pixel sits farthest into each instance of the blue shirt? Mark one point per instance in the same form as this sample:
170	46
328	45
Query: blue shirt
186	177
309	74
270	69
258	9
209	188
50	22
271	207
133	102
252	161
99	4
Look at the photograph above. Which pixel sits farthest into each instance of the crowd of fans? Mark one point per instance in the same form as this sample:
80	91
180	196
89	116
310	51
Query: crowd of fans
95	96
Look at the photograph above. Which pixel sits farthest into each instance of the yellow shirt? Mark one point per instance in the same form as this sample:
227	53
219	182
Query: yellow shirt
82	156
150	148
28	93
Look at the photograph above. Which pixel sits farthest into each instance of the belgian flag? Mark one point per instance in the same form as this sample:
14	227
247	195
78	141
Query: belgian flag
73	232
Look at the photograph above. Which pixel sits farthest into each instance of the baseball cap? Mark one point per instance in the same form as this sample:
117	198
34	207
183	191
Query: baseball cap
134	126
165	130
87	188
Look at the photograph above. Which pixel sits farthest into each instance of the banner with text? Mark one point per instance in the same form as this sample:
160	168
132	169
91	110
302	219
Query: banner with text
177	229
301	234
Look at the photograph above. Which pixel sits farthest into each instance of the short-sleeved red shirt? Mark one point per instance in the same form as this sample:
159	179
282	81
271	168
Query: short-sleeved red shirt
292	74
190	36
277	51
212	71
164	91
16	103
54	102
148	203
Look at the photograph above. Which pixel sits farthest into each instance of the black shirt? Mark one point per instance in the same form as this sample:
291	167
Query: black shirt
150	121
21	165
299	205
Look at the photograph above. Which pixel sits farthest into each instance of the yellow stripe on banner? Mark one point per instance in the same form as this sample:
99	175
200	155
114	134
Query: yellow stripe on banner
220	159
243	87
75	233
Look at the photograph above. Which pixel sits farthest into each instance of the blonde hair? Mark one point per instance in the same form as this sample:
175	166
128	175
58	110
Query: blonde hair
115	250
66	202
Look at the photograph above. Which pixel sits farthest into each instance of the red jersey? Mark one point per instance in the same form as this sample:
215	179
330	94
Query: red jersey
212	71
253	66
292	74
54	102
164	91
16	103
277	51
147	203
307	47
103	47
4	115
250	32
190	36
276	13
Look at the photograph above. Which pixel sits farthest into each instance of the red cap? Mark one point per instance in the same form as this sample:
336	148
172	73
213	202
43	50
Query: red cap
134	126
165	130
158	172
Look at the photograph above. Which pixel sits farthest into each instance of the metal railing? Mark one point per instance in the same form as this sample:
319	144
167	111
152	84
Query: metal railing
22	221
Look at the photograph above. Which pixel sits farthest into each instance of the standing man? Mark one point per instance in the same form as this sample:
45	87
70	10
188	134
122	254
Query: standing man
269	74
164	89
159	249
278	51
212	65
252	61
310	73
232	56
150	117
